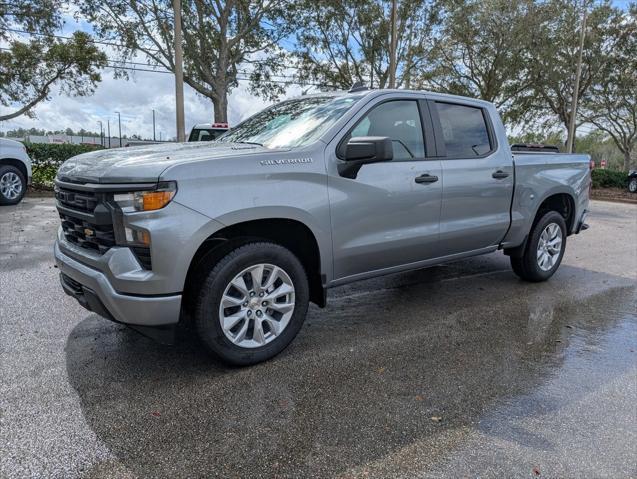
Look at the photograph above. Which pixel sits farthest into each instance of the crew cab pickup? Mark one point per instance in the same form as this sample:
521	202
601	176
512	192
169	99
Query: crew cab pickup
238	235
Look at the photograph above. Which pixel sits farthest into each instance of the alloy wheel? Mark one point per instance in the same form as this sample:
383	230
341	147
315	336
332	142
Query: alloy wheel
10	185
549	246
257	305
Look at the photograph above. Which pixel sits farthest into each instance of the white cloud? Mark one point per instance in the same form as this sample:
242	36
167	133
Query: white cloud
135	99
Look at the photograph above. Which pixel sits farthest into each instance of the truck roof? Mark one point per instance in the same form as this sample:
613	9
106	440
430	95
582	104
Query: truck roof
201	126
384	91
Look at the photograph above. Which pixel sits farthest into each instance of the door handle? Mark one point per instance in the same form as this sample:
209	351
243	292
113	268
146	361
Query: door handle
499	175
426	178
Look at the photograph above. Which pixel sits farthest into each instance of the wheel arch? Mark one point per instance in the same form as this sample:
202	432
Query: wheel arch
562	202
290	233
19	164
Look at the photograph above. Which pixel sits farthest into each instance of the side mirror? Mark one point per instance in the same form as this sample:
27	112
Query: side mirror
362	150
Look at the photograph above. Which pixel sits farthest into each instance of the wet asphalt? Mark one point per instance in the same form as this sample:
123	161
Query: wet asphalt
459	370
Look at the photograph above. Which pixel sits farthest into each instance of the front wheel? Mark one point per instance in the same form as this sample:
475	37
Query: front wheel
632	185
13	185
544	249
252	303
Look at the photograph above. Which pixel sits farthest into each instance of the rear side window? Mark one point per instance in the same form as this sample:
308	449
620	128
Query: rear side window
464	130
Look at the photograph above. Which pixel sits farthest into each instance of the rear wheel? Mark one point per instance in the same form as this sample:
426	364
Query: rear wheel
13	185
632	185
252	303
544	249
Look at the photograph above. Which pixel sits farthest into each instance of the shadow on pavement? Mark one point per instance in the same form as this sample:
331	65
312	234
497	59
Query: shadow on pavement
362	380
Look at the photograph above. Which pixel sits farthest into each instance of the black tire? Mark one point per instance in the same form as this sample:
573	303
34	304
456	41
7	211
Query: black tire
206	314
526	266
8	169
632	185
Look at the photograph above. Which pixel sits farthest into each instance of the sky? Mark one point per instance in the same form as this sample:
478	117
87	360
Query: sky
135	99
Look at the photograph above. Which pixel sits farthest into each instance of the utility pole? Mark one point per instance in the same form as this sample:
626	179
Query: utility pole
101	135
154	125
108	123
392	48
578	74
119	121
179	74
371	72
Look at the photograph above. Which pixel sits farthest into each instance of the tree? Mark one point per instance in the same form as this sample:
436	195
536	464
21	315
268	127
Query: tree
612	103
550	61
220	37
30	70
39	15
480	49
343	42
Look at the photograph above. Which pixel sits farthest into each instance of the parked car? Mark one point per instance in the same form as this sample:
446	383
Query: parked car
239	235
15	171
207	131
632	181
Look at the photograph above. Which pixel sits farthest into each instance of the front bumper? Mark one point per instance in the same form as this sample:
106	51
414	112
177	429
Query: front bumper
93	290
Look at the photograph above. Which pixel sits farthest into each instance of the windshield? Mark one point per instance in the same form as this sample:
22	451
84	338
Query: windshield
291	123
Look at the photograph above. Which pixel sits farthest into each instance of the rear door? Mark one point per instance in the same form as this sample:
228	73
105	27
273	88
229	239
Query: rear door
389	214
478	177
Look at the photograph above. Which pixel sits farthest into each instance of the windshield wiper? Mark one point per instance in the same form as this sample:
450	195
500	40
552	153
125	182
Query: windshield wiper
248	143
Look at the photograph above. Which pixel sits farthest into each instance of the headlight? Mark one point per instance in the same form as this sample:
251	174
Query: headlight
147	200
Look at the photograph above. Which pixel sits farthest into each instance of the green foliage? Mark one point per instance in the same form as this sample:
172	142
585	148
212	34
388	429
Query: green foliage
30	70
553	138
46	159
23	132
611	106
480	50
609	178
32	15
341	42
550	61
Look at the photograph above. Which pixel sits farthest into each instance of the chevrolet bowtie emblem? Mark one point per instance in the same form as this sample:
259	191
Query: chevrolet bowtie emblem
89	232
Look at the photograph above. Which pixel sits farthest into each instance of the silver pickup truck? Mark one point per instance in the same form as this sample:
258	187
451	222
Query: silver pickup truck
240	234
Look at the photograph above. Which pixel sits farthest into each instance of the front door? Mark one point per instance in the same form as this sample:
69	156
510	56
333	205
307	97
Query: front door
389	214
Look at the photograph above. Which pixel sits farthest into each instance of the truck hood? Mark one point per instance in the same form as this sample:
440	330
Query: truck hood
146	163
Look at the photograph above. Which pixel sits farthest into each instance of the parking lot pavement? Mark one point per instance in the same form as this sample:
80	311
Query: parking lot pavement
459	370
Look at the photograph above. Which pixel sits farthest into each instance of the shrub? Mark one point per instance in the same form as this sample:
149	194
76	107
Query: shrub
609	178
46	158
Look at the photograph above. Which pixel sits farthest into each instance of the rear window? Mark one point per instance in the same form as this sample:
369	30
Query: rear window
464	130
206	134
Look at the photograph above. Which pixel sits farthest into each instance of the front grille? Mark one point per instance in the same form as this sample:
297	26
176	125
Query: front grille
99	238
76	200
87	221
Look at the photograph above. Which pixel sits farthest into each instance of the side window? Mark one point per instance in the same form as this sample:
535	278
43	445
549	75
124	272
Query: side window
464	130
398	120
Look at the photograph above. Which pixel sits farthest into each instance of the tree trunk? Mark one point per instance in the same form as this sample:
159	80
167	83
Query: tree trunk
626	160
220	106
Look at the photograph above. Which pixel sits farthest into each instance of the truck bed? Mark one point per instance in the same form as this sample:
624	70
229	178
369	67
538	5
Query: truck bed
539	176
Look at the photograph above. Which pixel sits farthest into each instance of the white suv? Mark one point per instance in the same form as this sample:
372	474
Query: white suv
15	171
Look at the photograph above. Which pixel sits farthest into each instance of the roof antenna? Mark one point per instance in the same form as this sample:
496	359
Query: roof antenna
358	86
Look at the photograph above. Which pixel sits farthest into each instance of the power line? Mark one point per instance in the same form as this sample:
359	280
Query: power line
112	44
62	37
280	79
282	82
